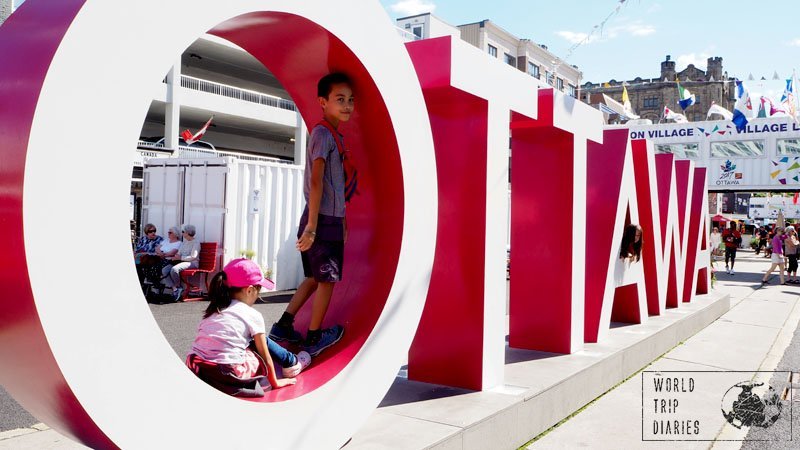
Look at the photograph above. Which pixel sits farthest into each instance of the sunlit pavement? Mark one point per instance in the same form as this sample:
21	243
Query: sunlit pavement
754	335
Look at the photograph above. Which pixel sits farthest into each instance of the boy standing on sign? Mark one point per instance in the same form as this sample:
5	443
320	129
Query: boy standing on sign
330	181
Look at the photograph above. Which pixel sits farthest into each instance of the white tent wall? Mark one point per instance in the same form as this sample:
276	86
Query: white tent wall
162	202
244	206
204	201
265	201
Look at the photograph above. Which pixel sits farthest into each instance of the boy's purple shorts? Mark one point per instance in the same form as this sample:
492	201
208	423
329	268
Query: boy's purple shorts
324	261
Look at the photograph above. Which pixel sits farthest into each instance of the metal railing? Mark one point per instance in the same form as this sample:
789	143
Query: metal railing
148	150
406	35
233	92
153	146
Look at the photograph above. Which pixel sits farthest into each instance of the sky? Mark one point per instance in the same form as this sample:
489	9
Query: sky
751	37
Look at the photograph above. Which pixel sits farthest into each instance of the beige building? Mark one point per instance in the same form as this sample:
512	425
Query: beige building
649	96
524	54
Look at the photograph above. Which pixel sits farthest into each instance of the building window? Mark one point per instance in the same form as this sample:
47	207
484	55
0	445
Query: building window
737	149
533	70
560	84
418	32
493	50
510	60
681	151
789	147
650	102
572	90
548	77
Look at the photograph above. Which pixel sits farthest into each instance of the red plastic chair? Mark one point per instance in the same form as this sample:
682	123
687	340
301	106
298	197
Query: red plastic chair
207	265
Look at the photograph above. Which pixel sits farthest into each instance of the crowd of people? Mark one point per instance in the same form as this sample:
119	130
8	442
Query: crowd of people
160	261
779	244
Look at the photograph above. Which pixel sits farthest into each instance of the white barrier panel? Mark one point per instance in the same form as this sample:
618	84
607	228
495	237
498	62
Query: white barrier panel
249	208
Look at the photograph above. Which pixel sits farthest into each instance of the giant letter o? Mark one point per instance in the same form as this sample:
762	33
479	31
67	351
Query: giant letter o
80	348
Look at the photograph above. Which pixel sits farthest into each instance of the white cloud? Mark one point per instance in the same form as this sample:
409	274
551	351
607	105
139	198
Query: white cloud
795	43
698	59
638	29
571	36
634	29
654	9
412	7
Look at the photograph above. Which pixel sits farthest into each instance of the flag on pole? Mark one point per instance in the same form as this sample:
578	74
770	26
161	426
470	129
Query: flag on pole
686	98
789	99
743	109
716	109
672	115
192	138
626	104
617	108
762	108
768	108
796	107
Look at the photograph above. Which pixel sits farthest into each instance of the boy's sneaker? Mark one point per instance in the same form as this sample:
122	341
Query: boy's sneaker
280	333
727	270
732	272
329	337
303	360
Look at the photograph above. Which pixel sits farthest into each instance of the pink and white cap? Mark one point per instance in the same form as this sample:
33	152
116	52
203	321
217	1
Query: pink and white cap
243	272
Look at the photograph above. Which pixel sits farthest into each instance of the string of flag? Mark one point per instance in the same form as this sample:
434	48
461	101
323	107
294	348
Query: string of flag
596	29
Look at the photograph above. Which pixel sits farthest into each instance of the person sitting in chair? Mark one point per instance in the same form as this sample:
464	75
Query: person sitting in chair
153	274
170	246
188	256
144	251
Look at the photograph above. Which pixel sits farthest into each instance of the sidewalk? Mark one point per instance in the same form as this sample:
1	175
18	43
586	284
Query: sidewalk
752	336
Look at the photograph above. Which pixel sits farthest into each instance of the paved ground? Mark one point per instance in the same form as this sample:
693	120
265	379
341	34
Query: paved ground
785	433
783	430
754	335
13	416
178	322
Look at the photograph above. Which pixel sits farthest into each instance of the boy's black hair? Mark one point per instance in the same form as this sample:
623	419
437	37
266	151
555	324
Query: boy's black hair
325	84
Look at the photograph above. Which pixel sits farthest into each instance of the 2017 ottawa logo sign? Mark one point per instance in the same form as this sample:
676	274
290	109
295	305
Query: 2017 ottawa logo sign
729	176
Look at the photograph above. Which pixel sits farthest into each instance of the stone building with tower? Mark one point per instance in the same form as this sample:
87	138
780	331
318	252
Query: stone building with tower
649	96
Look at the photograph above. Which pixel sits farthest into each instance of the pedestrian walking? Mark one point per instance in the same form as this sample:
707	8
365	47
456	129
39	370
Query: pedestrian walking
716	240
777	256
762	240
792	246
732	238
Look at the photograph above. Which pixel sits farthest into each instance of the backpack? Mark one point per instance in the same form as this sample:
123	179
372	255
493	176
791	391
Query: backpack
350	171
